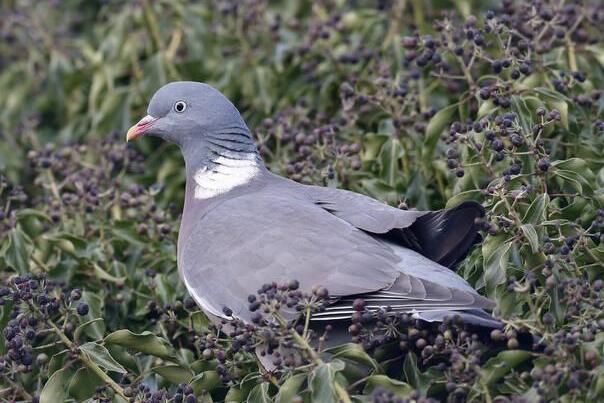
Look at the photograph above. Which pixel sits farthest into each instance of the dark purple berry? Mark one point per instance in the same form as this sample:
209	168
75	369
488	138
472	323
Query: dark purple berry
543	164
82	309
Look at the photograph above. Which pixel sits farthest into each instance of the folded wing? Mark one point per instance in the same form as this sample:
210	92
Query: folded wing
444	236
258	238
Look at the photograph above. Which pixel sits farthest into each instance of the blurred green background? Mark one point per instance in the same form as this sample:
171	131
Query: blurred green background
86	69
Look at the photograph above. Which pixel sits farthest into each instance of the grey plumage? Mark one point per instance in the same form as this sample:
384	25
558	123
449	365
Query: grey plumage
243	226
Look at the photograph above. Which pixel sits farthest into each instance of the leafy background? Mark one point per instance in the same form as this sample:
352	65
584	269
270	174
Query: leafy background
419	104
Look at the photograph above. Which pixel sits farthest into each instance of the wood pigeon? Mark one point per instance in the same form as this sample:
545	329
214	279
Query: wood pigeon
243	226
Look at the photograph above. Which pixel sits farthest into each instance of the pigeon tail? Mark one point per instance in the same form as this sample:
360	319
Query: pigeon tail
445	236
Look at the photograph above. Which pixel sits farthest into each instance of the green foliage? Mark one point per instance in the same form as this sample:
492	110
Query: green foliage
501	106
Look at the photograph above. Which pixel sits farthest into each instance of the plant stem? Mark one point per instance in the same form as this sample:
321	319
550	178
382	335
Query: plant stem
303	343
87	361
306	322
53	185
106	378
418	15
151	25
341	392
572	58
16	388
570	45
420	22
487	394
39	263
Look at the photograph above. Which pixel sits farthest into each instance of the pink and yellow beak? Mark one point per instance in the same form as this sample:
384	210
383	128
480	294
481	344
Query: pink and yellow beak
140	128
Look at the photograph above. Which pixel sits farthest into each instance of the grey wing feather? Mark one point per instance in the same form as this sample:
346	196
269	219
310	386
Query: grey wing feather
444	236
362	211
434	287
253	239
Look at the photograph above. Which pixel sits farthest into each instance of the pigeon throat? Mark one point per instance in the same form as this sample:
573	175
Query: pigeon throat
224	173
223	160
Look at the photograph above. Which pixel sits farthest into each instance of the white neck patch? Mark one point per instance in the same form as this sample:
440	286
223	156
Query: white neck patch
227	174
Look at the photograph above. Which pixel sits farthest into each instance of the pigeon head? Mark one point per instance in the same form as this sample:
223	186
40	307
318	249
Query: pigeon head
185	112
217	146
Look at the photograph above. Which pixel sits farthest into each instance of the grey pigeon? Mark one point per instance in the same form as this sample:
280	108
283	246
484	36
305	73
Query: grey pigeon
243	226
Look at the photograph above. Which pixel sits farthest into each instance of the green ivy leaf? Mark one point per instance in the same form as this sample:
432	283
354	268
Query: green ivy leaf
461	197
235	394
531	236
353	352
597	387
372	144
57	361
322	381
576	169
83	384
145	342
561	106
389	159
94	330
126	231
495	251
70	244
17	250
56	387
124	357
29	212
497	367
434	129
572	178
259	394
536	211
83	326
199	321
486	107
103	275
400	388
174	373
598	53
412	374
30	221
207	380
164	289
100	356
290	388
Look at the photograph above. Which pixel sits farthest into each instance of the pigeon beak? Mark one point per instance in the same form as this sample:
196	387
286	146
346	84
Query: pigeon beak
140	128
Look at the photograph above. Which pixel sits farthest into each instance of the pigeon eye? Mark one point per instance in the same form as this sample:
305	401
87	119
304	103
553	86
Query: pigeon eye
180	106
